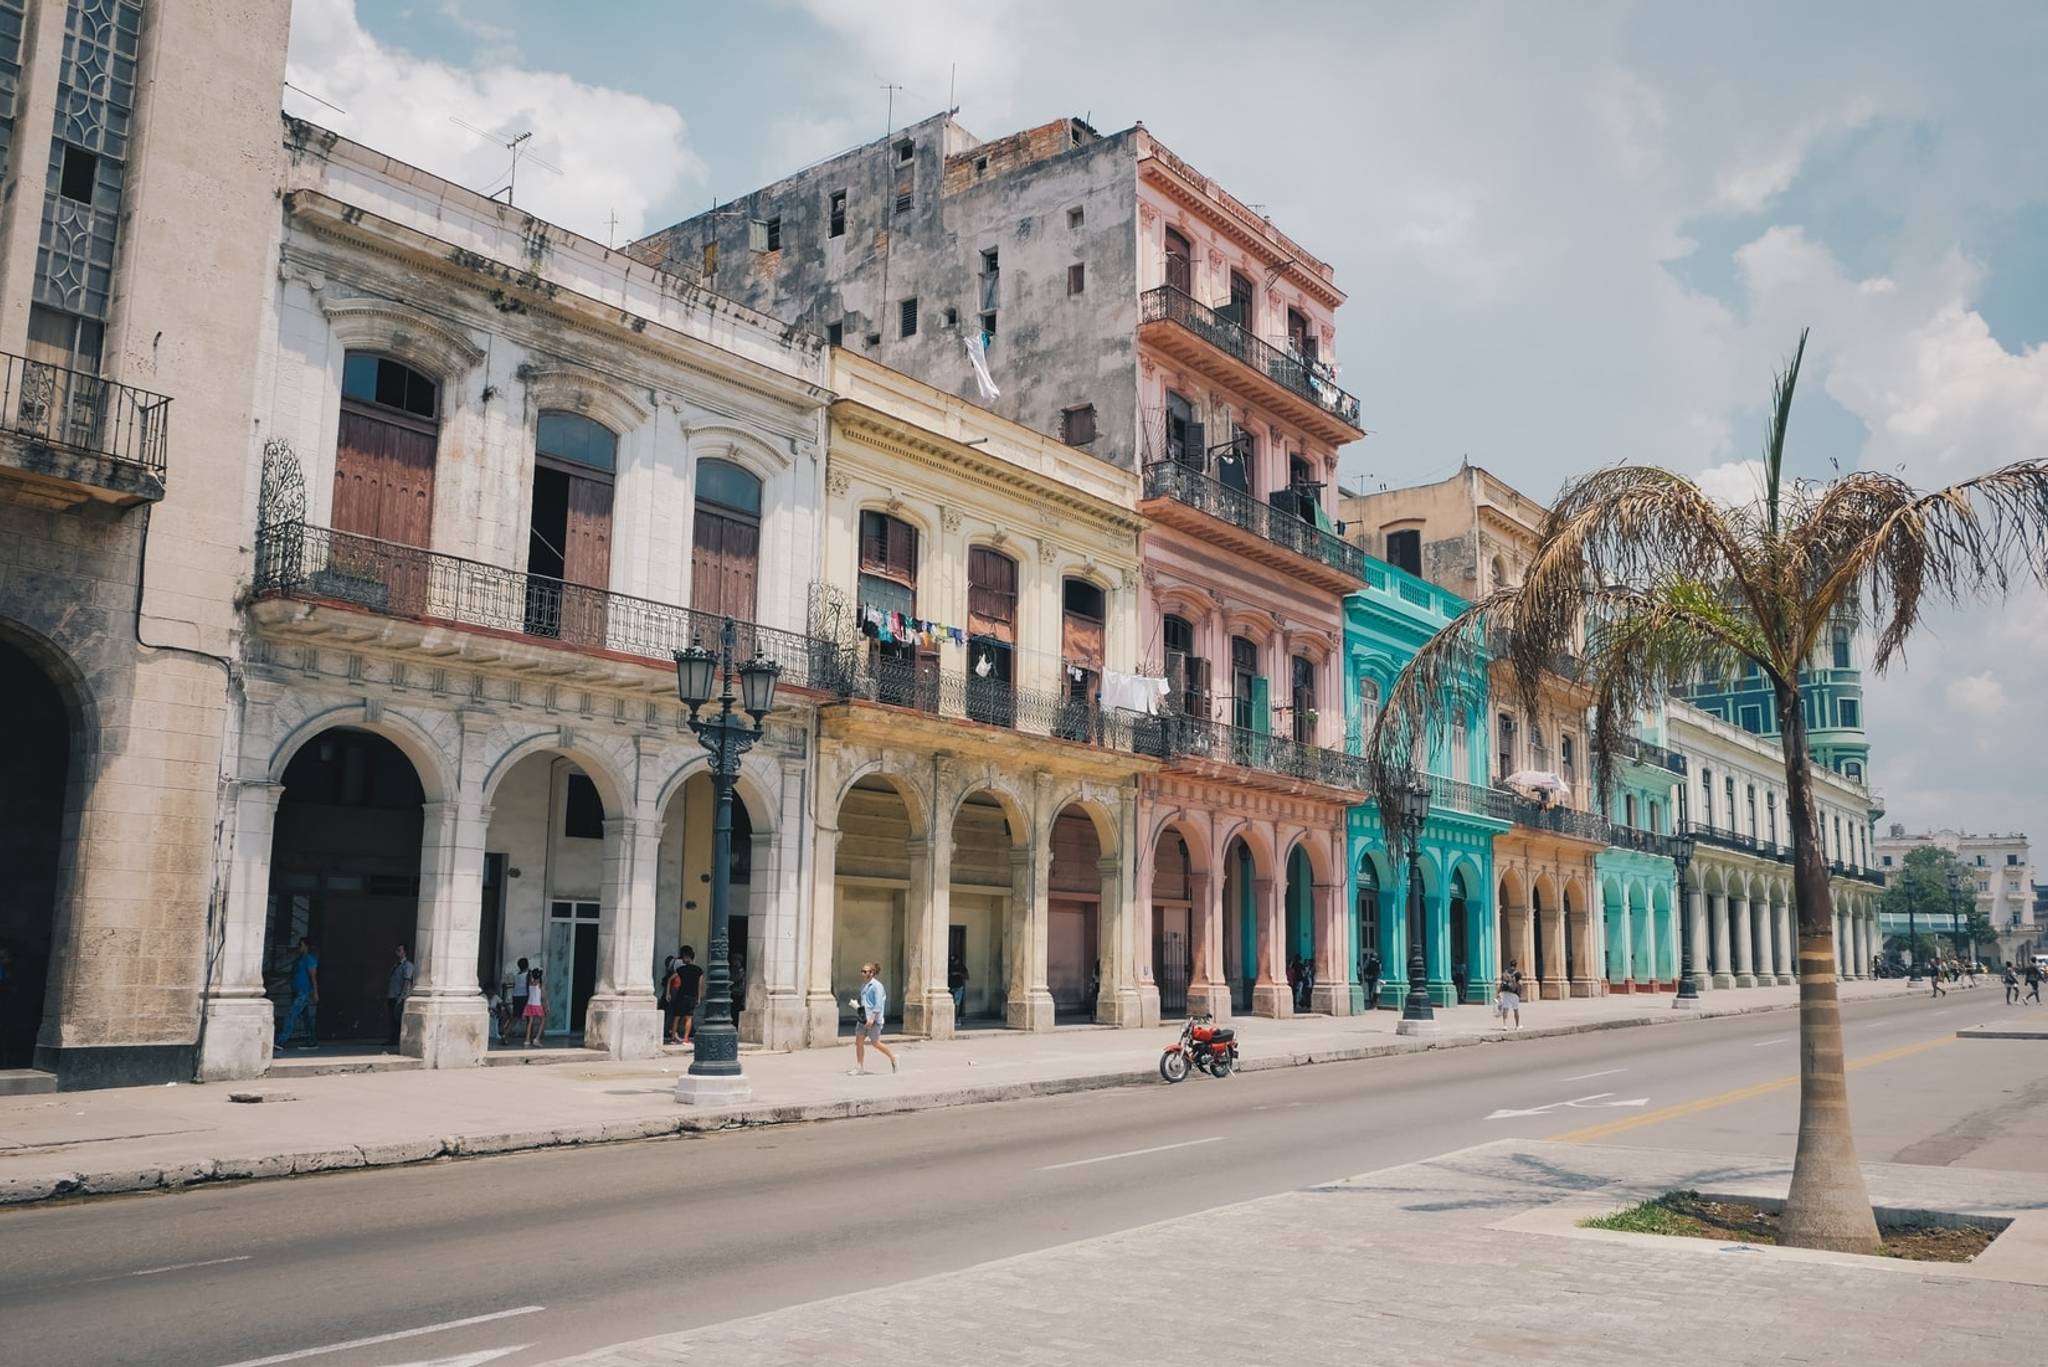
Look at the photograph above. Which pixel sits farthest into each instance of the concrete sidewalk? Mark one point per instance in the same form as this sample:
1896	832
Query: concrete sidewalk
1471	1257
139	1139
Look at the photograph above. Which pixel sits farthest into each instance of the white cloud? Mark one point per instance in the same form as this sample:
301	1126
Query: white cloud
618	153
1981	695
1738	483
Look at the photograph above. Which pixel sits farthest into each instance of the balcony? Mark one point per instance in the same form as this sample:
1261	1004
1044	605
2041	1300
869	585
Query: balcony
1469	799
67	437
1725	838
956	696
1644	842
1562	820
1179	495
1292	386
1644	752
500	610
1258	759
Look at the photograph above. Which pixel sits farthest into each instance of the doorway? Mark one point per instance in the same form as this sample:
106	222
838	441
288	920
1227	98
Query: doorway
570	966
569	530
34	772
1461	939
1240	926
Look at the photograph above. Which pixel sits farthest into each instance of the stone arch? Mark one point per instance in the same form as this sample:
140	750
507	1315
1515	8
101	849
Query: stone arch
1257	839
907	786
573	389
1318	852
612	787
1099	811
415	742
722	441
1193	830
753	787
404	333
1016	806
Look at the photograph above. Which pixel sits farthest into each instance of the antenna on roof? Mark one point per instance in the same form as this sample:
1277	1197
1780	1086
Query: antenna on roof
890	118
611	229
516	145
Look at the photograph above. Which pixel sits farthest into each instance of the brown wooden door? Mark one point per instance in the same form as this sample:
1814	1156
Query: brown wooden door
587	561
384	491
724	565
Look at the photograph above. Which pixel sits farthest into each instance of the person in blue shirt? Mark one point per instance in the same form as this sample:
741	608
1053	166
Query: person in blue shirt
873	1004
305	995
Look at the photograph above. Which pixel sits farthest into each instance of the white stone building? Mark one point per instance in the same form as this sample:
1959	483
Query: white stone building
507	473
138	174
2001	868
1731	802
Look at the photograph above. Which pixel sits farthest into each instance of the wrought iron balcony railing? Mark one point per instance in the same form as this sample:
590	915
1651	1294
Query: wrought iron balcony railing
955	695
84	413
1184	483
1636	748
1646	842
1202	738
1730	839
1448	794
1564	820
294	560
1295	373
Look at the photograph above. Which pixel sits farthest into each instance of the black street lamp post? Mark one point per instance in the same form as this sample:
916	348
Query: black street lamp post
1912	945
714	1076
1688	998
1417	1016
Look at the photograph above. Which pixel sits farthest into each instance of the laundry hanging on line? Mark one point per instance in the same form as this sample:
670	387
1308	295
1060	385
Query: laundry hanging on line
1133	692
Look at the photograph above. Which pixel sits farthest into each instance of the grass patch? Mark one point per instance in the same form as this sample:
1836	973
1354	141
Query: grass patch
1689	1215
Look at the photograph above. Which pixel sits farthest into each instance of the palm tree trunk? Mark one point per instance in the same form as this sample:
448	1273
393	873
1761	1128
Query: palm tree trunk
1829	1206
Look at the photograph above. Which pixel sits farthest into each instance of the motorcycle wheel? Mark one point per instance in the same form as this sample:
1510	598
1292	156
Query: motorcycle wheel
1221	1065
1173	1066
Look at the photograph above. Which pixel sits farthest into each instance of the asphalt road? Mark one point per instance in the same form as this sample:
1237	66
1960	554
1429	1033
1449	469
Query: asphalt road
561	1252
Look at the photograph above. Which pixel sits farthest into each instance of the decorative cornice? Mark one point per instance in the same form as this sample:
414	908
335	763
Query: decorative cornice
583	391
407	332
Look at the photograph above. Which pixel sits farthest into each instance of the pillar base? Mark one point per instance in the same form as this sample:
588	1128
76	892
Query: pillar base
713	1091
239	1034
447	1032
778	1024
1723	980
1787	980
821	1020
1273	999
1585	987
1745	980
1551	991
1212	1000
624	1027
1034	1012
1123	1008
1148	1005
1331	999
1409	1027
931	1015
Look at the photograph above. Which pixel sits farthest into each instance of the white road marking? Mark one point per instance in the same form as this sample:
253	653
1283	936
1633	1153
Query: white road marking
180	1267
476	1359
375	1339
1604	1072
1762	1042
1077	1163
1583	1103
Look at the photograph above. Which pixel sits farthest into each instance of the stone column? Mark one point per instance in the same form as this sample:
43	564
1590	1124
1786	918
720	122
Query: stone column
1745	964
1136	891
1208	992
1841	950
1621	968
1788	963
1646	963
821	1005
240	1021
1270	995
624	1020
1030	1005
1766	964
776	1016
926	1004
445	1024
1332	991
1118	1001
1695	901
1556	980
1717	909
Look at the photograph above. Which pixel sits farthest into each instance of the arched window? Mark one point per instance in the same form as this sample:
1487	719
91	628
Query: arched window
1180	263
1302	690
1368	913
1368	709
1082	610
384	453
569	527
1248	690
725	555
991	635
1461	748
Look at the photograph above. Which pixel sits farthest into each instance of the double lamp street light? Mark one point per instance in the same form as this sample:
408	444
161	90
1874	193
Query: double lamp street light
714	1077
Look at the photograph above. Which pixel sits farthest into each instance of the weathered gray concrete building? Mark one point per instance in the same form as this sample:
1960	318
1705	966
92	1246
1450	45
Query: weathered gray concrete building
140	160
906	247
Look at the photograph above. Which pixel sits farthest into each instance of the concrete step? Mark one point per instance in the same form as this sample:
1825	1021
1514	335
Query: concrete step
26	1082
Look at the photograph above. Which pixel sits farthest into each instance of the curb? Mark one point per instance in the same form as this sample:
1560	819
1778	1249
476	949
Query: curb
28	1190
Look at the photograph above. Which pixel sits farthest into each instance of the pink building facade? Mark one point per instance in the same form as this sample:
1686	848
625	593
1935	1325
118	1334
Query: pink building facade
1241	869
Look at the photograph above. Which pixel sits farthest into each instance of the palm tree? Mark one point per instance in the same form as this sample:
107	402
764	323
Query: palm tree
1669	583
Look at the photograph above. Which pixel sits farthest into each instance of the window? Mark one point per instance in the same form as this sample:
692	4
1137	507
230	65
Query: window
582	810
1302	687
384	450
1656	816
1507	745
1851	712
1628	810
1076	216
906	318
1707	798
1180	263
569	527
1239	309
1077	277
1853	770
838	214
905	150
1404	550
1301	338
1980	861
1841	650
1082	609
1568	758
1077	424
905	197
1887	860
369	378
988	328
906	677
1728	786
1184	436
1368	708
576	439
1304	492
1186	672
1752	811
1983	886
764	235
952	317
2012	861
710	258
80	170
63	340
980	166
726	552
1753	720
991	635
1461	749
1771	812
888	549
1247	688
835	334
775	234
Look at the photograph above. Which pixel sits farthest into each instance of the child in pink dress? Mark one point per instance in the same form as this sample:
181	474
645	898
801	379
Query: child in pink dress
536	1006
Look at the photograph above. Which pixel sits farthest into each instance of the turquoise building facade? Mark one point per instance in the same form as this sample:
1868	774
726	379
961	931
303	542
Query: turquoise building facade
1637	878
1831	689
1385	624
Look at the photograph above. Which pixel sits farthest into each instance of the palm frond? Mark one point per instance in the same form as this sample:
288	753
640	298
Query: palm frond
1781	420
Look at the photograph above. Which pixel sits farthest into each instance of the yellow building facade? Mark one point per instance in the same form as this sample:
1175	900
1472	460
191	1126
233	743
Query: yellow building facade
976	786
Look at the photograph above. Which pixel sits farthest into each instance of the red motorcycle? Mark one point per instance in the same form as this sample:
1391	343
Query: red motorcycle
1202	1044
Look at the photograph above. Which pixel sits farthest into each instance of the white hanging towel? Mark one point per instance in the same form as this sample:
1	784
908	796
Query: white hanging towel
1133	692
977	356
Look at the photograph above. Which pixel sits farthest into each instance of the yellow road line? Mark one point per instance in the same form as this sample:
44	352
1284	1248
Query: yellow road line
1593	1133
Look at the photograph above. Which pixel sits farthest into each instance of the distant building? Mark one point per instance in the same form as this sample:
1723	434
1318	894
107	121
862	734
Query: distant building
2002	867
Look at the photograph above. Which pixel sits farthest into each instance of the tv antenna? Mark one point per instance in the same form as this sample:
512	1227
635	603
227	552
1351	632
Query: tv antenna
516	145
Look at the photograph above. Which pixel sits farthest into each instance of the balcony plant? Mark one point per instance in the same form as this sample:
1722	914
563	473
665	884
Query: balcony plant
1679	582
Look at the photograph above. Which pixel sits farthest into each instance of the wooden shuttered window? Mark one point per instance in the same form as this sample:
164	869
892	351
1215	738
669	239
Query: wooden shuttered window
888	548
991	594
725	552
1081	628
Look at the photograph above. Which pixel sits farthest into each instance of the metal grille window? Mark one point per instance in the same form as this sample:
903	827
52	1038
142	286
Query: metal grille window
906	318
11	24
1077	425
1187	672
838	228
88	156
1077	277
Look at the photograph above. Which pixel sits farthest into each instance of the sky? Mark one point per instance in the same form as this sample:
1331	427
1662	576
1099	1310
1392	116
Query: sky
1571	234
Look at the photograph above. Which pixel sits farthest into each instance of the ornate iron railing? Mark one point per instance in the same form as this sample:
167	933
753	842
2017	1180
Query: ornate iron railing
1564	820
84	413
1729	839
1645	842
1202	738
1185	484
1469	798
1297	374
294	560
956	695
1636	748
